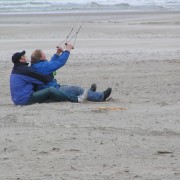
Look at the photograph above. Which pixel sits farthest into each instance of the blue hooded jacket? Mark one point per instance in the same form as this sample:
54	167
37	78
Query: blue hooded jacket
22	81
48	67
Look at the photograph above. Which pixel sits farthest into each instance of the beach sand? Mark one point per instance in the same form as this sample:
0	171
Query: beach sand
138	55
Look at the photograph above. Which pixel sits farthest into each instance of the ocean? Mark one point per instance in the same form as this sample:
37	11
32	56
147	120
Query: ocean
62	6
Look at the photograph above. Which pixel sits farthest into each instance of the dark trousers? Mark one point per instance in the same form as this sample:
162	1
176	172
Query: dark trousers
51	95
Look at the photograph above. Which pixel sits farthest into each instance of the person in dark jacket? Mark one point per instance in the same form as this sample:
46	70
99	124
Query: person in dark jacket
23	80
41	65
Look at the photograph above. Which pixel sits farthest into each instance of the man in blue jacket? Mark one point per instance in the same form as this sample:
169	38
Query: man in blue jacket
23	80
41	65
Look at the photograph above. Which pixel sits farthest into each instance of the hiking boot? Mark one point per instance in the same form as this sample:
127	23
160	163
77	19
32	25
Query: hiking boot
83	97
107	93
93	87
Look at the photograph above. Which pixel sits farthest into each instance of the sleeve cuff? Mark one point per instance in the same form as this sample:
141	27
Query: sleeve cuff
67	51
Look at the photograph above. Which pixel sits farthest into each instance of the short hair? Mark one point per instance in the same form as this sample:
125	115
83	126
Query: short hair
36	55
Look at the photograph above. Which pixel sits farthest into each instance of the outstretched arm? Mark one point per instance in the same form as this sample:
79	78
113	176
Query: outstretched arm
57	61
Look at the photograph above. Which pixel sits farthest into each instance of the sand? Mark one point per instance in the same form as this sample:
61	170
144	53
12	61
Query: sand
138	55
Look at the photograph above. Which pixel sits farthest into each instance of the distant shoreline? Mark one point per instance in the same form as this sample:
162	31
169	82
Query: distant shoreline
89	6
92	12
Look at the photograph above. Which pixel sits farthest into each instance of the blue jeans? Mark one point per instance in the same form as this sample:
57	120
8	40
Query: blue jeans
76	91
51	94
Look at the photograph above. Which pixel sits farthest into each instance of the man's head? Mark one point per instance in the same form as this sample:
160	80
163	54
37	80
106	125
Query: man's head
19	57
37	55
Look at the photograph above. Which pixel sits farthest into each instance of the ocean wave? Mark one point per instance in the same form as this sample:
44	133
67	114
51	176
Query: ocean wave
82	5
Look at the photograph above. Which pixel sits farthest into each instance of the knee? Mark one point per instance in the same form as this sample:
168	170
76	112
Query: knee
52	90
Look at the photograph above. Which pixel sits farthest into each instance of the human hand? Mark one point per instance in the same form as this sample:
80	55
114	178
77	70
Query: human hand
69	47
59	50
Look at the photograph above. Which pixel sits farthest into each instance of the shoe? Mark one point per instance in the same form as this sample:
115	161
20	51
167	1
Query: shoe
107	93
93	87
83	97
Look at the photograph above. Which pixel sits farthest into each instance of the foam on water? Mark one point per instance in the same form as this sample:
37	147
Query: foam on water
58	6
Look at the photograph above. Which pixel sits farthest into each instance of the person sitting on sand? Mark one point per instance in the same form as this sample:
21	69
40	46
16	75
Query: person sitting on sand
40	64
22	82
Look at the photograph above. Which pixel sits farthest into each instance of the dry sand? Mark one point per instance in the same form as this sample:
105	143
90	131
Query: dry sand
138	55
